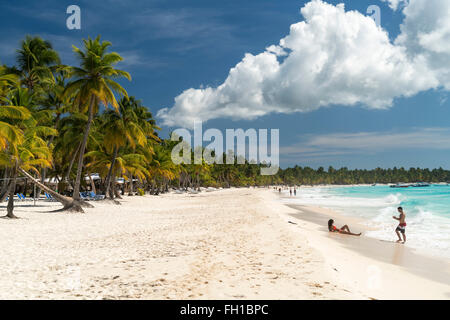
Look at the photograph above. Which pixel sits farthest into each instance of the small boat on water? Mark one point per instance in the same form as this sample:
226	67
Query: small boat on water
420	184
400	185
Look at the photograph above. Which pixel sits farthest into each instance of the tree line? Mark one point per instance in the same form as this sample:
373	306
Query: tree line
298	175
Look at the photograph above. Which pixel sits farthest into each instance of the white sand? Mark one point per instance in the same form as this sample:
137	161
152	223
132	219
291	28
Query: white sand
229	244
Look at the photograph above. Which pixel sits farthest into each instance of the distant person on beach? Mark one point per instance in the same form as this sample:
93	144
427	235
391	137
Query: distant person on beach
401	226
344	230
295	192
290	192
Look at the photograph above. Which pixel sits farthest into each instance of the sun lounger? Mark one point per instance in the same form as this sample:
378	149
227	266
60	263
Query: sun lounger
95	197
49	197
84	196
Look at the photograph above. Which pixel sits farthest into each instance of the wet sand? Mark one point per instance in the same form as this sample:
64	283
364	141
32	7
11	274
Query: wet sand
431	275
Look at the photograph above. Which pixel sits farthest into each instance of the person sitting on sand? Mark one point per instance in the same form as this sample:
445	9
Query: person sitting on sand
344	230
401	226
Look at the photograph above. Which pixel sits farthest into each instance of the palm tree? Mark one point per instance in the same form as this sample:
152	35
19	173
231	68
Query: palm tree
122	128
93	84
8	81
10	134
162	169
135	167
69	129
27	153
55	106
36	59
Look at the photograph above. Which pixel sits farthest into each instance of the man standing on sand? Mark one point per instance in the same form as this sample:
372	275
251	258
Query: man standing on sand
402	225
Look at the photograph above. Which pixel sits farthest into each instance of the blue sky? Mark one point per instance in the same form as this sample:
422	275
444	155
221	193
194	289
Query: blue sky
172	46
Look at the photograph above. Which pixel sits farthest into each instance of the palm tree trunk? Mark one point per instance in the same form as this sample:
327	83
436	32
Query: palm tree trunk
92	183
4	191
131	186
65	201
115	191
72	161
111	168
110	188
5	186
12	189
44	170
76	189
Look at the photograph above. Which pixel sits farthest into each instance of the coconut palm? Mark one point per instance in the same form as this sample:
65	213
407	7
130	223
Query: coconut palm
25	154
9	133
93	84
123	128
35	59
162	169
135	167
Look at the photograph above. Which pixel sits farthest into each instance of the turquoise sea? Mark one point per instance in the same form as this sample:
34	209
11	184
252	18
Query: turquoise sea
427	209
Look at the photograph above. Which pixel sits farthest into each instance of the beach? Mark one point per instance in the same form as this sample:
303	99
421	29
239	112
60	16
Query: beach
227	244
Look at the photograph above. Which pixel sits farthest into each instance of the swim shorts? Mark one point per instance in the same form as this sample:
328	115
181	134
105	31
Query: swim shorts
400	229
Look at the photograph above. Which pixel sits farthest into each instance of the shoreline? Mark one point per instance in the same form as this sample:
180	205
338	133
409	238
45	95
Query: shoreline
428	229
384	269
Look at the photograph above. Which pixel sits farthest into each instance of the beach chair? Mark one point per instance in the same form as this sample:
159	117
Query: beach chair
21	197
84	196
24	198
95	197
49	197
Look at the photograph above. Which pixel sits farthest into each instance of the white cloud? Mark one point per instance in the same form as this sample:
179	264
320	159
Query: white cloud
425	33
333	57
133	58
395	4
368	142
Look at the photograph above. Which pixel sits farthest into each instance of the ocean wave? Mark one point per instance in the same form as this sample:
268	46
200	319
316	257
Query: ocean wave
427	212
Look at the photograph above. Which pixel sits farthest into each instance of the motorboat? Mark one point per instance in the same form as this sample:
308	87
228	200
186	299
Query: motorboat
400	185
420	184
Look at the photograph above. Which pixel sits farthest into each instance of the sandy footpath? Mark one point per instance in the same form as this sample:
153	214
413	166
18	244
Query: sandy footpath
228	244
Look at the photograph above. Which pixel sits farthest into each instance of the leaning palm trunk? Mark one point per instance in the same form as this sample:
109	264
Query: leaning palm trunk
76	189
72	161
110	192
68	203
